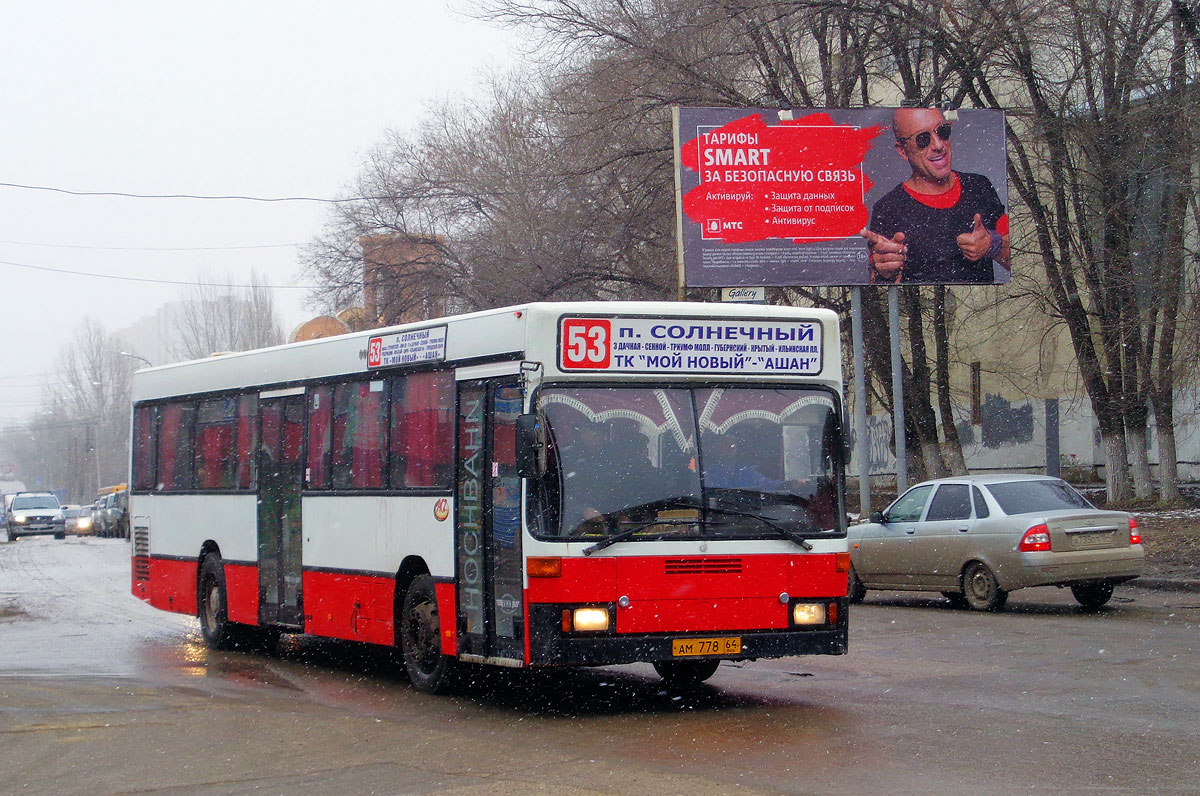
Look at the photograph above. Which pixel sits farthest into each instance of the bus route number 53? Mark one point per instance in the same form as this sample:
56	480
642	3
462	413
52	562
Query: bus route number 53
586	344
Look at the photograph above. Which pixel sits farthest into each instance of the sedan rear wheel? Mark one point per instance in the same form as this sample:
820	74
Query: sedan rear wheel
1092	595
855	590
980	588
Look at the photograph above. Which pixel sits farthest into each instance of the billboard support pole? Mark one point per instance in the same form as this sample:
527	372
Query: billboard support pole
681	282
897	390
862	444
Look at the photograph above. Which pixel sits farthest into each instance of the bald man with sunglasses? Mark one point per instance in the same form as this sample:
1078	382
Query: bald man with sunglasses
939	225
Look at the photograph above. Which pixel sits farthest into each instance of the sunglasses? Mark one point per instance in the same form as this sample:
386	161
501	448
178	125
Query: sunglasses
925	138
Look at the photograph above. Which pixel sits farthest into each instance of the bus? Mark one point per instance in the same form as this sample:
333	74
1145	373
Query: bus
553	484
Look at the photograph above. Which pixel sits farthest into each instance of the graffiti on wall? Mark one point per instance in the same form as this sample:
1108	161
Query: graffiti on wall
1006	424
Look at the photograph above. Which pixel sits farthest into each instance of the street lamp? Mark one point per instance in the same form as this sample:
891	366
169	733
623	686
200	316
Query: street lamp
135	356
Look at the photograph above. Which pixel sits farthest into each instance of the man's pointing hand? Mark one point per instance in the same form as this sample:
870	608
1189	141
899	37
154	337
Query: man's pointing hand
887	255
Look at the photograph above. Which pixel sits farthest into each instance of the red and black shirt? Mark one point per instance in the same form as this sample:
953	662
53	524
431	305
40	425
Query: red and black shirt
932	223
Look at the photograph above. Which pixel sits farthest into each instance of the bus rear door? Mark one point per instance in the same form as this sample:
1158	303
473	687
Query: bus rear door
280	479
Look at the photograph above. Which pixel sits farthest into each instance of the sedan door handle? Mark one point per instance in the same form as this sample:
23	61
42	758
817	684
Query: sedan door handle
910	530
964	529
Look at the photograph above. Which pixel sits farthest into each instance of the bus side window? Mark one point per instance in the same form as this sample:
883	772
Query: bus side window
216	430
421	452
320	412
176	451
246	476
358	435
145	446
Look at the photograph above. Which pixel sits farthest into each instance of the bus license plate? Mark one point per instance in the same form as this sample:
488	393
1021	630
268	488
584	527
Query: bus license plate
729	645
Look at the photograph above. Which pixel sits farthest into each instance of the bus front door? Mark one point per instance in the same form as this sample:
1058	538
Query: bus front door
489	564
280	478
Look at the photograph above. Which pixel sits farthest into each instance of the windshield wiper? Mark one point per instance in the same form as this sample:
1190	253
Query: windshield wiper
791	536
636	526
687	502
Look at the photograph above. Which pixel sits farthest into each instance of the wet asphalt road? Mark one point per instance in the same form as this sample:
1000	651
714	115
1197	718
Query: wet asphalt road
100	694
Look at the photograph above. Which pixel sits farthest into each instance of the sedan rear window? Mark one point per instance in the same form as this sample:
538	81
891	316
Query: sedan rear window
1026	497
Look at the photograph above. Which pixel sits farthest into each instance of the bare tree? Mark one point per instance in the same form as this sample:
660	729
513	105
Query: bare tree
561	186
521	207
1080	80
78	439
214	317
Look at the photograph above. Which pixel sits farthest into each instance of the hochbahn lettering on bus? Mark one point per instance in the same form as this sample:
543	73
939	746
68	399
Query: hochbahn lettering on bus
690	345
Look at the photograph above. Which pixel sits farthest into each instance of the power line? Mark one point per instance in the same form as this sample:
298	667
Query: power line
148	279
235	197
152	248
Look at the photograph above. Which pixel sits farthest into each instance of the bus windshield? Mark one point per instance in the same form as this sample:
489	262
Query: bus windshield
671	462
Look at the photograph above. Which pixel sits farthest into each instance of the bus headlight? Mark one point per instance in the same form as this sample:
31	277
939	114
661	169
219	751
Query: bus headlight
590	619
808	614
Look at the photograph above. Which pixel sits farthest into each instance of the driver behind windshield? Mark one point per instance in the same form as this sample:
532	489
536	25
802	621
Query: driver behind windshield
732	464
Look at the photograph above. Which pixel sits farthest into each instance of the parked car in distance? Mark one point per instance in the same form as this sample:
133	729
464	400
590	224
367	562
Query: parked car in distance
78	519
109	513
977	538
32	513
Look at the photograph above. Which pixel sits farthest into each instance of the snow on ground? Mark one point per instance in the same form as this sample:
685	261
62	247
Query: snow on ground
73	596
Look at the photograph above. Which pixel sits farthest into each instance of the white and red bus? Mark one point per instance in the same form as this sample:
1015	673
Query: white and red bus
541	485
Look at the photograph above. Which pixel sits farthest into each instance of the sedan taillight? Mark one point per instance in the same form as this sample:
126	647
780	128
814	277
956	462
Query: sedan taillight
1135	535
1036	539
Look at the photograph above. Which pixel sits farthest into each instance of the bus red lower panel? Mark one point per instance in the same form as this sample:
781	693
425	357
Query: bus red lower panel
349	606
606	579
241	593
173	585
447	611
688	616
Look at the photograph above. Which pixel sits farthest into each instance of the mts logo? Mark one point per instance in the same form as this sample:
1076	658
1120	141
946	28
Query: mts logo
715	226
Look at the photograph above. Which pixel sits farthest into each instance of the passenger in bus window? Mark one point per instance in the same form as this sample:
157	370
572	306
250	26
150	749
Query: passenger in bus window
589	483
629	451
729	464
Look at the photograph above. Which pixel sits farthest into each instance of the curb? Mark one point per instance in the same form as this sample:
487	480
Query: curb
1166	584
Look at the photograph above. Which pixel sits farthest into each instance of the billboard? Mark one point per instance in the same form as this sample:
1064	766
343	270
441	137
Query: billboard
841	196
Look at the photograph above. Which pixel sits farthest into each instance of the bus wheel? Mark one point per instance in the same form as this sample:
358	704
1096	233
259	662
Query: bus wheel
685	673
421	639
213	613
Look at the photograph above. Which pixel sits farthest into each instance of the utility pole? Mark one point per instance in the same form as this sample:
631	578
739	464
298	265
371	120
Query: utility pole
93	442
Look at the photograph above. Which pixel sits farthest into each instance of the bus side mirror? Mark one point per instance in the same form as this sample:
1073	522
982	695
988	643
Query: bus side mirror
529	446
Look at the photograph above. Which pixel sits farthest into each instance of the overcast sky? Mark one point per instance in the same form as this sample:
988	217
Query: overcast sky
255	98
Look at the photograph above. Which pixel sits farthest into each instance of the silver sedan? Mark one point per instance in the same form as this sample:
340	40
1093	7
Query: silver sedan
977	538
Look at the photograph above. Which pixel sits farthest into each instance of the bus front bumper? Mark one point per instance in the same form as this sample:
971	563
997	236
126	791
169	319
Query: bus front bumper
550	646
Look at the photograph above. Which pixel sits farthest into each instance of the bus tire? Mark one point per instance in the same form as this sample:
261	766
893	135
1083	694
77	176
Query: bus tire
212	610
420	639
686	673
